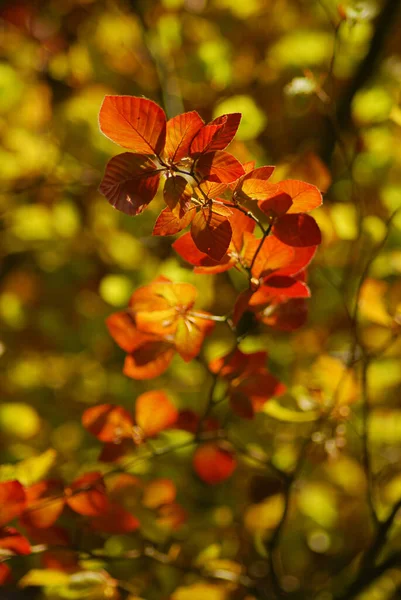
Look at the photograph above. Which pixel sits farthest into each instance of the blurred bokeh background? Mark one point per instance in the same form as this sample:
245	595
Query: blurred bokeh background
318	83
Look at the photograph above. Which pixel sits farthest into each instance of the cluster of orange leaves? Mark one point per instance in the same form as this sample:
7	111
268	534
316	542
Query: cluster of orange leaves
209	190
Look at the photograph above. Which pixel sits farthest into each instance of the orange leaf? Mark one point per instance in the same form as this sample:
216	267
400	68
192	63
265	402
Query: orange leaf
92	501
168	224
159	492
13	541
190	333
130	182
213	464
219	167
135	123
185	247
180	132
272	255
211	233
12	501
154	412
44	504
178	195
149	361
224	136
109	423
124	332
171	516
116	520
254	185
297	230
305	196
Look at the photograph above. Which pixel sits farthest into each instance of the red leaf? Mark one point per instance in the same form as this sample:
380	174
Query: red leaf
168	224
113	452
12	501
276	205
44	504
287	316
180	132
52	536
130	182
116	520
238	363
5	574
213	464
13	541
219	167
149	361
124	332
135	123
211	233
257	390
301	260
203	139
305	196
178	196
224	136
92	501
279	287
109	423
154	412
297	230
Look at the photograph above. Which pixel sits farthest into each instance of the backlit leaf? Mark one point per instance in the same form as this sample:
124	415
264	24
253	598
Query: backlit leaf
304	196
13	541
180	132
135	123
211	233
123	330
168	224
154	412
224	136
130	182
297	230
219	167
45	503
177	195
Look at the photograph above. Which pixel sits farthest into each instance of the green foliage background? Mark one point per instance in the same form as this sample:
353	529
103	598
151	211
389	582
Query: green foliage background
319	90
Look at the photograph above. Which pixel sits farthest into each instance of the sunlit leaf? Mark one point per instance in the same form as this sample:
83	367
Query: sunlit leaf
297	230
180	132
219	167
87	495
159	492
12	501
135	123
211	233
154	412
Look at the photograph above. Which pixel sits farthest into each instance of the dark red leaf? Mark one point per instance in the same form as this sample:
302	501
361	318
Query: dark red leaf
135	123
116	520
276	205
211	233
297	230
178	195
130	182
